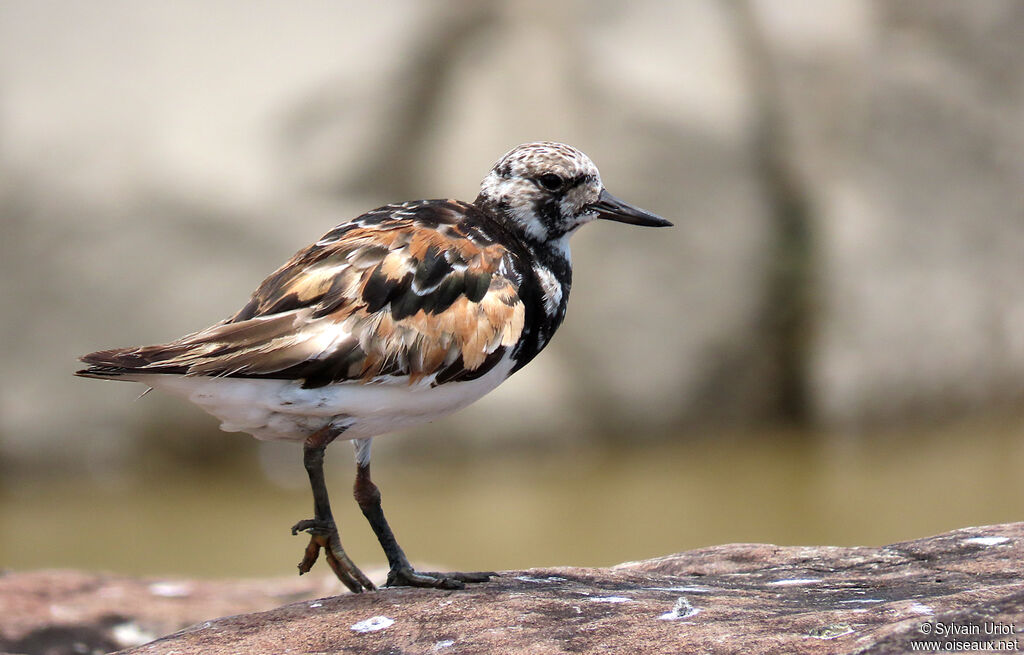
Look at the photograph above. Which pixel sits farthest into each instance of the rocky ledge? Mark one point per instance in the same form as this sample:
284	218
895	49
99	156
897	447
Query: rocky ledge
959	591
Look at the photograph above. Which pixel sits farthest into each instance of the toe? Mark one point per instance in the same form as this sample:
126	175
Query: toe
313	526
463	576
407	577
474	576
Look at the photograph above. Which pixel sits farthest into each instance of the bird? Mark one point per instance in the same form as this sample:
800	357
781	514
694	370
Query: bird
394	318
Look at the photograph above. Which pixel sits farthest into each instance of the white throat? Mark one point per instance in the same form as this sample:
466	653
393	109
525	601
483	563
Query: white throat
561	245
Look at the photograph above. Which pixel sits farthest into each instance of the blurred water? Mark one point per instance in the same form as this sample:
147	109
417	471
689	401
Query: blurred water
584	507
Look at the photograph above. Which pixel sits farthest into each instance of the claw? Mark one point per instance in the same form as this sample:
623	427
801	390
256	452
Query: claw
310	556
406	576
314	526
324	535
472	576
348	573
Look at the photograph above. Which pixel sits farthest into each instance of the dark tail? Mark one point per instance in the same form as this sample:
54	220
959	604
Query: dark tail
112	364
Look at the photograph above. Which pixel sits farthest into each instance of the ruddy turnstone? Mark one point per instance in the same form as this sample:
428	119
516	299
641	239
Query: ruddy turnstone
395	318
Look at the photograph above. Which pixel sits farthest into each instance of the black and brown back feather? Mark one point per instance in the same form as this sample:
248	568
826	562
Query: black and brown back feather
404	291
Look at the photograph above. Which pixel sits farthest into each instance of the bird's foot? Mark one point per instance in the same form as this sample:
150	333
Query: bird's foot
406	576
314	527
324	535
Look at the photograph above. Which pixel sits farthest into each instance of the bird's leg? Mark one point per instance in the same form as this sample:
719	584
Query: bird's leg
323	532
401	573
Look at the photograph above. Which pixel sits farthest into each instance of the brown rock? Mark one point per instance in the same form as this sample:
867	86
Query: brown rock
962	588
57	612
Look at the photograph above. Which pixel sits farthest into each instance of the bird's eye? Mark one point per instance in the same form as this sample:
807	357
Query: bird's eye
550	181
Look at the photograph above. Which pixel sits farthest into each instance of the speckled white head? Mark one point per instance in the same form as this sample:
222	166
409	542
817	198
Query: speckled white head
546	190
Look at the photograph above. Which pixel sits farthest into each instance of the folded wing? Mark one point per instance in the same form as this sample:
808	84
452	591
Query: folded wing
405	294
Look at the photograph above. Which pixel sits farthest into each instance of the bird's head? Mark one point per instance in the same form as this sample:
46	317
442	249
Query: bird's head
546	190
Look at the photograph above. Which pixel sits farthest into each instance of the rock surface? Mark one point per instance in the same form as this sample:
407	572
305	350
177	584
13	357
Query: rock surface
962	589
57	612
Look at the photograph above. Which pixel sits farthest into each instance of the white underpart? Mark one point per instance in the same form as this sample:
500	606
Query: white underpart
283	410
551	288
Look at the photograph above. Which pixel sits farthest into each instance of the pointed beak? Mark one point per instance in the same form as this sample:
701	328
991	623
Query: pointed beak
611	208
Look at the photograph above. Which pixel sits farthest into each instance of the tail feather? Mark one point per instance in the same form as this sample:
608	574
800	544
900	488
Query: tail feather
259	346
117	362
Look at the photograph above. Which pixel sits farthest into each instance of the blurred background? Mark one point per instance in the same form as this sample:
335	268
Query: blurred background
828	348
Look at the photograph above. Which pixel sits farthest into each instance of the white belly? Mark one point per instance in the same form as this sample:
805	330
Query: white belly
282	409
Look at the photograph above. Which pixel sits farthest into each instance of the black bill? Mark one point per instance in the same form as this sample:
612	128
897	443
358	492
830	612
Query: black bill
611	208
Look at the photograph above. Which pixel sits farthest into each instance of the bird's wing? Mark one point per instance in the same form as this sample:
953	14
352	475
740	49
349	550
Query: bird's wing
402	294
